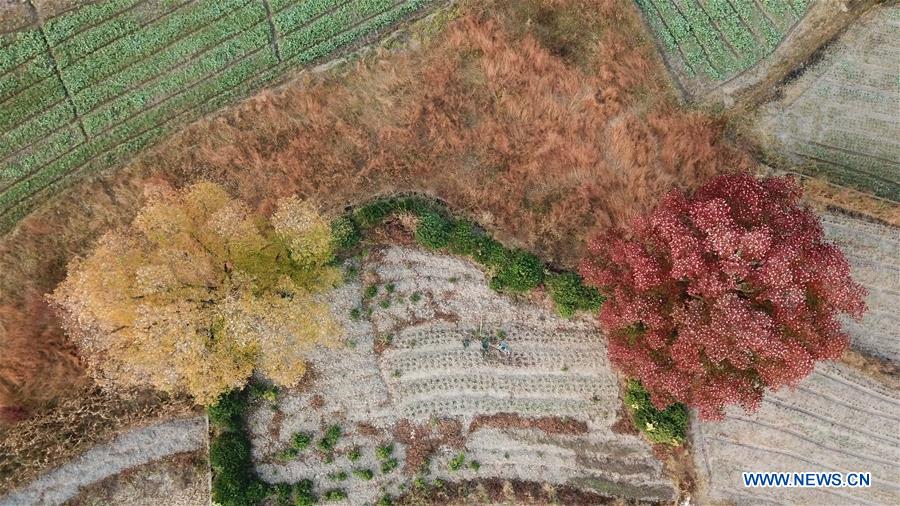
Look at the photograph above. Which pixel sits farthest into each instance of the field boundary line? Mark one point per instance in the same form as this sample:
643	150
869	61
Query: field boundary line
199	54
762	9
708	57
801	459
56	70
132	32
662	50
44	136
842	402
822	418
757	37
719	31
193	57
244	57
811	441
845	166
77	170
273	32
97	23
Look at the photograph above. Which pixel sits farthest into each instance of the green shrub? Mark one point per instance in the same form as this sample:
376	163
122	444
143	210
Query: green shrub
388	465
374	213
457	462
227	414
370	291
282	493
335	494
345	234
570	294
301	440
475	465
433	230
287	454
229	451
364	474
465	238
519	271
339	476
354	454
668	426
327	443
384	452
386	500
303	493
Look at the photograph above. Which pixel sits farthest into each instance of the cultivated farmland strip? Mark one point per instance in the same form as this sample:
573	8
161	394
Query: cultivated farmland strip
68	24
171	58
89	42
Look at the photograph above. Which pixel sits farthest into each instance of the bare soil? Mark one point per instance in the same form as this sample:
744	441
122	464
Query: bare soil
835	420
541	414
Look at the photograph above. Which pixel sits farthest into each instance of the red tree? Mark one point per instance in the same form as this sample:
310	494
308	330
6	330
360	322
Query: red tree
716	296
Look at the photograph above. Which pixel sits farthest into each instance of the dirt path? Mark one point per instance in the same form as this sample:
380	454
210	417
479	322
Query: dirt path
133	448
825	20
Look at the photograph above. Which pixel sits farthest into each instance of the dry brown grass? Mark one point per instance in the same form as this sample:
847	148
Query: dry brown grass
542	119
83	418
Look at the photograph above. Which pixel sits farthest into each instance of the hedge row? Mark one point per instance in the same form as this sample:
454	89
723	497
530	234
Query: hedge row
511	270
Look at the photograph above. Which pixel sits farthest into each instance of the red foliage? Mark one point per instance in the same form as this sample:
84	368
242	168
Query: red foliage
717	296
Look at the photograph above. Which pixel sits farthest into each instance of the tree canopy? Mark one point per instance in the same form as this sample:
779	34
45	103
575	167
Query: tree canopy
198	292
716	296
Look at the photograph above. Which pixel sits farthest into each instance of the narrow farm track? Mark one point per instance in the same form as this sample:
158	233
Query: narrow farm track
873	251
129	449
837	420
838	118
433	369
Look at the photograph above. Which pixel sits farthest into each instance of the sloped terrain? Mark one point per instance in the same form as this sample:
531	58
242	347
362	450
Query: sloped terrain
414	374
839	119
835	420
873	251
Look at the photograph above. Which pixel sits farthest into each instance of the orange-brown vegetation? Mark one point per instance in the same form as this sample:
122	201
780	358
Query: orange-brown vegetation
541	119
548	424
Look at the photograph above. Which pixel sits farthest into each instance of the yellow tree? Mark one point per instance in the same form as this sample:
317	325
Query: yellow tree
197	293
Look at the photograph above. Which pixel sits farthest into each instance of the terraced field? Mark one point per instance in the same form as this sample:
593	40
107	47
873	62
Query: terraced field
432	377
835	420
874	254
87	89
839	119
708	41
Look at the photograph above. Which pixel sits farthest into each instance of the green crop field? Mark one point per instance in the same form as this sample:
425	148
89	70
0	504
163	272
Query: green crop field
87	89
717	39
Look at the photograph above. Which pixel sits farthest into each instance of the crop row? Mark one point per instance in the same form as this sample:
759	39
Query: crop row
719	38
157	83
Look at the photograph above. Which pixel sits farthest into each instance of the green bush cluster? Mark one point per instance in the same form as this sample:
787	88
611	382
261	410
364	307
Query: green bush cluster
234	479
327	443
668	426
512	270
569	294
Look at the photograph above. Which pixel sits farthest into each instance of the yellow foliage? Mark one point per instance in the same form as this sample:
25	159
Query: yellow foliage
198	293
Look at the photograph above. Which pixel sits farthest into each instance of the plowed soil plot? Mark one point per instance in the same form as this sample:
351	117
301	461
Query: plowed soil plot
835	421
413	372
874	254
839	118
